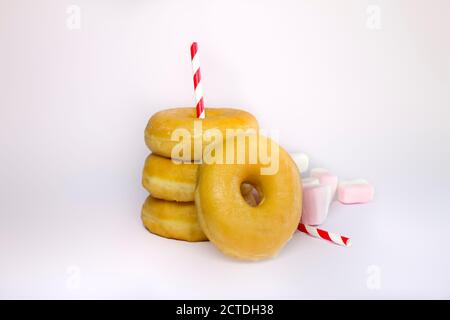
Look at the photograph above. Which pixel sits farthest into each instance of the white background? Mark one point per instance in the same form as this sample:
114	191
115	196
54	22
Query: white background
364	100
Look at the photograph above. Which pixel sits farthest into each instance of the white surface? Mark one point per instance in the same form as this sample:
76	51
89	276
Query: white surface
361	102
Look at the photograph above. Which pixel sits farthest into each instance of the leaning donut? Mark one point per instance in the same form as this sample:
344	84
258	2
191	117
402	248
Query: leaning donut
173	220
169	179
162	125
230	222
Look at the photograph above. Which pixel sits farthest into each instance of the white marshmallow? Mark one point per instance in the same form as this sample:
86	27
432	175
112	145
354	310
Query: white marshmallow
301	160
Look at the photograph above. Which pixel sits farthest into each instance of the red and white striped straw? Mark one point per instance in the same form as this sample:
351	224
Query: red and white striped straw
198	89
322	234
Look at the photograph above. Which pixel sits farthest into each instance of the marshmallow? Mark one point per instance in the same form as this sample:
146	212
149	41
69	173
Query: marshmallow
315	204
355	191
326	178
318	192
306	182
301	160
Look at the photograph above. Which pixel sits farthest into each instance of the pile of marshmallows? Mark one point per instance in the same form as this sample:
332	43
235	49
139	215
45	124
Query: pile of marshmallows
321	187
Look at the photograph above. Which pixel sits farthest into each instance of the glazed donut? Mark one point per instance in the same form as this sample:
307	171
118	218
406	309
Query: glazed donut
162	124
229	219
169	179
173	220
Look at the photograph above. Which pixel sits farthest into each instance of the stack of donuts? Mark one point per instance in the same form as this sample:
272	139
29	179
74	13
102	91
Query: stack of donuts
245	214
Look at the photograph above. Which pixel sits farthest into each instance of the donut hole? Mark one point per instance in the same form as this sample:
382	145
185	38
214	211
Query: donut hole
251	194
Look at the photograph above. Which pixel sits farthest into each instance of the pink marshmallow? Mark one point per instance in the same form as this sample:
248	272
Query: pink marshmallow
306	182
315	204
355	191
326	178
